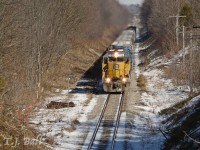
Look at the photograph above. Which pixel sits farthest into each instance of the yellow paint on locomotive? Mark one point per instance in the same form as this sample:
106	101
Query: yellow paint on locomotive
115	69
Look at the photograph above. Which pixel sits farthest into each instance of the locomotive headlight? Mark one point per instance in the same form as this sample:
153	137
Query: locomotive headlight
108	80
124	80
116	54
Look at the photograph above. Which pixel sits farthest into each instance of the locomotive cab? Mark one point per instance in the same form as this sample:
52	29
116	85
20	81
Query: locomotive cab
116	68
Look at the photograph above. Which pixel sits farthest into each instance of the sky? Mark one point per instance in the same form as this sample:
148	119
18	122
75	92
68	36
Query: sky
128	2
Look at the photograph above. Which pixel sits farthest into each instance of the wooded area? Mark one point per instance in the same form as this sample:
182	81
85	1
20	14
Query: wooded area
38	37
43	42
160	17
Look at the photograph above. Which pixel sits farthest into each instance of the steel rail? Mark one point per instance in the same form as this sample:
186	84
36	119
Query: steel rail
118	120
98	123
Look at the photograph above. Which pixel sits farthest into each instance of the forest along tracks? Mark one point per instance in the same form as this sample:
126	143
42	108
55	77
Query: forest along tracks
106	128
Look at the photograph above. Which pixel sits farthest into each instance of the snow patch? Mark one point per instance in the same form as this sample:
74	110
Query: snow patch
160	94
66	127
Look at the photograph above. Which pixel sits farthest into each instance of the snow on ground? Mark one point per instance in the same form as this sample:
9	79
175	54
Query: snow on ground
90	133
190	107
121	133
160	94
136	57
137	60
145	134
66	128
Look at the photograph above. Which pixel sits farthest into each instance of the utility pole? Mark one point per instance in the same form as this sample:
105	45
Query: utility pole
184	63
195	36
191	34
177	26
191	57
183	44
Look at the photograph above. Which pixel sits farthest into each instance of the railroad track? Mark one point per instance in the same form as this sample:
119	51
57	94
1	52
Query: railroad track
116	120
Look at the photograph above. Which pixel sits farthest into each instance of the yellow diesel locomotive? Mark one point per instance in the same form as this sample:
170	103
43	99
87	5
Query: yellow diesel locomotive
116	68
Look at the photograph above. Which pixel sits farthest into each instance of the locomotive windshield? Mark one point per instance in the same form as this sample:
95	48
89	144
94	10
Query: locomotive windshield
116	56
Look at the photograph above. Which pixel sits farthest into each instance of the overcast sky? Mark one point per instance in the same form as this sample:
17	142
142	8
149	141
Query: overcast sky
131	1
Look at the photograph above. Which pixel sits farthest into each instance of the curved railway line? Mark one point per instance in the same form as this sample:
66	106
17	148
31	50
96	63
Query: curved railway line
113	123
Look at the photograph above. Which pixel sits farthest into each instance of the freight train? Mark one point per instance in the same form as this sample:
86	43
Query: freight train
117	63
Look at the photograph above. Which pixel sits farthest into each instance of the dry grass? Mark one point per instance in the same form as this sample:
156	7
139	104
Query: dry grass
141	82
75	122
2	84
89	98
179	105
177	134
73	125
48	42
71	128
14	131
